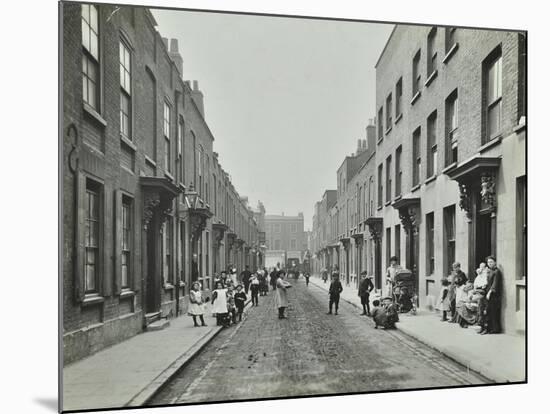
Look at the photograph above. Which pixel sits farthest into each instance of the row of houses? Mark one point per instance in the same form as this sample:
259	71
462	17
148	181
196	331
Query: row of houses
441	176
147	207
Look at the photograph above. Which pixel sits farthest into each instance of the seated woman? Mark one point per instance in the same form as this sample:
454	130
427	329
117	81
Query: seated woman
472	299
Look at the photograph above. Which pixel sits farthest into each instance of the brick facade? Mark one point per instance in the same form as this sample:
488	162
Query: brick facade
151	171
457	62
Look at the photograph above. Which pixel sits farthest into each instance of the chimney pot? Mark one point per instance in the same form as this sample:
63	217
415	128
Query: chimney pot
174	46
195	85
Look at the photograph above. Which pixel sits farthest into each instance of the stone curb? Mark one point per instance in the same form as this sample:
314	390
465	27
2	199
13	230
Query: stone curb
147	393
473	365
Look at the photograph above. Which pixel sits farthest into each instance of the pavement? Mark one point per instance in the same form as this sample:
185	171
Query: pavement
500	358
131	372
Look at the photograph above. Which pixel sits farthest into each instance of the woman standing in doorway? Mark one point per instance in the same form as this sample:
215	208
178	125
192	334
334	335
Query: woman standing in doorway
494	284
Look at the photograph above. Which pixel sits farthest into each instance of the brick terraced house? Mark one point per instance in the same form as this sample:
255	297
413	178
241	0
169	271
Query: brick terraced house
147	207
447	179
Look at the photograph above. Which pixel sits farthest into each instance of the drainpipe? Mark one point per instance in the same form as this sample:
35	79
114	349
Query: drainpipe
178	227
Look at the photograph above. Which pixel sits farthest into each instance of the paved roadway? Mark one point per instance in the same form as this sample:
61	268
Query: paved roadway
310	353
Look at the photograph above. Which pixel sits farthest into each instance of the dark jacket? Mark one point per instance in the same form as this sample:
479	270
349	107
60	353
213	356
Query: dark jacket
494	281
365	287
245	276
335	288
240	299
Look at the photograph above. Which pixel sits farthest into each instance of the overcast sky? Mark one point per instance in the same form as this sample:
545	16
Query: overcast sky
285	98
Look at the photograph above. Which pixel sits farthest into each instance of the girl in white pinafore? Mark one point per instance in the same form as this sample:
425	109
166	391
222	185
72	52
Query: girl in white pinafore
219	303
196	304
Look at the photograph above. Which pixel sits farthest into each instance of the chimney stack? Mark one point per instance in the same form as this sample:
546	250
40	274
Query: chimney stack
371	136
359	147
175	55
198	97
165	41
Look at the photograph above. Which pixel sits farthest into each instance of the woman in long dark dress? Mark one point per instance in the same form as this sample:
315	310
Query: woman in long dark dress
494	291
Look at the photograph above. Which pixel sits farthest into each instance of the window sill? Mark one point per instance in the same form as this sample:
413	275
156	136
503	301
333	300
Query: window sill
168	286
450	53
416	187
129	171
128	142
430	179
388	130
398	118
387	203
127	293
397	198
449	168
91	300
415	97
168	175
379	208
430	78
521	282
150	161
494	141
517	129
94	114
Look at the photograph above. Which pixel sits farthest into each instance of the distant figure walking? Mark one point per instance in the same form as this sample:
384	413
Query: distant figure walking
324	275
245	278
334	294
282	298
273	276
306	275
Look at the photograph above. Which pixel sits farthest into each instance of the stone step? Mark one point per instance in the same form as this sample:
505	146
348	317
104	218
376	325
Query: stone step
158	325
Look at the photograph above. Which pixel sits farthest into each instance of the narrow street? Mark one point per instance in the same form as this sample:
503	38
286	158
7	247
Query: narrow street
310	353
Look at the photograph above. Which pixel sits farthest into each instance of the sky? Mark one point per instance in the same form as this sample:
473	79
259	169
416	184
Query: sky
286	99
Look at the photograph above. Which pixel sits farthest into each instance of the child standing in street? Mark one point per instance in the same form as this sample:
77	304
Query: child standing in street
306	275
219	304
334	294
231	309
444	302
254	289
240	300
196	304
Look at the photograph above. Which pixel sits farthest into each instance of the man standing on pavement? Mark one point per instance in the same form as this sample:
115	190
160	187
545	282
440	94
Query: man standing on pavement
365	287
334	294
245	278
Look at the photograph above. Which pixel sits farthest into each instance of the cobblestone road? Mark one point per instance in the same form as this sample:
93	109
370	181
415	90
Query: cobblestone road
307	354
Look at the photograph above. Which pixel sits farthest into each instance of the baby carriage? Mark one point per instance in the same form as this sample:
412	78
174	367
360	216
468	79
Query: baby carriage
404	291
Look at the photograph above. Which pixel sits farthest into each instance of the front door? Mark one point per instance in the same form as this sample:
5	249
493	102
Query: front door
153	283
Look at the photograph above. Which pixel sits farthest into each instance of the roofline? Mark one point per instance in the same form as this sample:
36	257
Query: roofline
385	46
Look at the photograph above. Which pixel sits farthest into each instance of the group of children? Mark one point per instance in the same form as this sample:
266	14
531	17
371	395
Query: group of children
228	298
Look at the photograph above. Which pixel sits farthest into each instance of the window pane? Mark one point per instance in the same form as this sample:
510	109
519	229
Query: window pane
85	35
93	46
86	12
93	18
494	119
